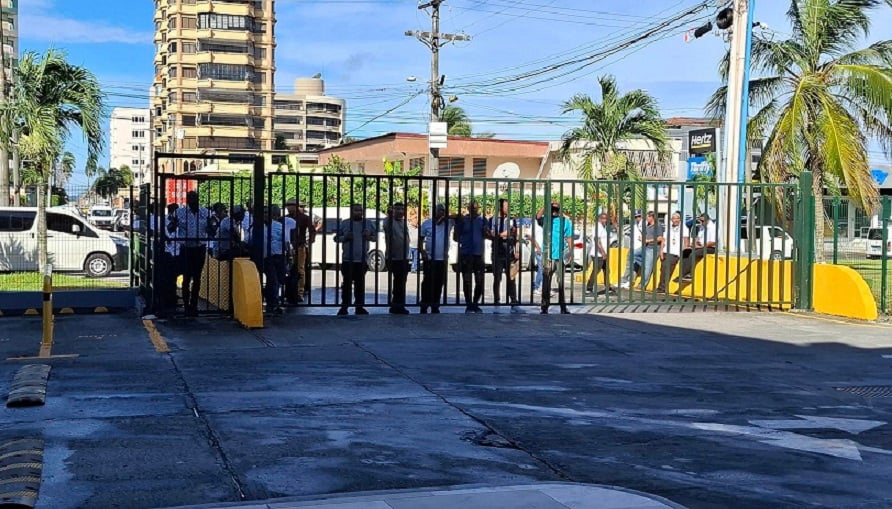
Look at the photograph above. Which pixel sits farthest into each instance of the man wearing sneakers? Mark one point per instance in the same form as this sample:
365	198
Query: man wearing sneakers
354	234
676	240
599	257
502	231
470	231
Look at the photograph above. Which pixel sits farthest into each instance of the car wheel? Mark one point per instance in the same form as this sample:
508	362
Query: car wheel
98	265
377	263
777	256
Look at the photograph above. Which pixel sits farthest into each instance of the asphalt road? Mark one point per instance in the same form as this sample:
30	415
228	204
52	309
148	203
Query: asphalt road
707	409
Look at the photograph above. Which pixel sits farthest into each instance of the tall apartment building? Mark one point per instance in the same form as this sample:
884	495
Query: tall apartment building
309	120
214	76
130	145
9	29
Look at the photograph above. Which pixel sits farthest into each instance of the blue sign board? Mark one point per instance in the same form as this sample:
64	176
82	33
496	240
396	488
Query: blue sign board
879	176
698	165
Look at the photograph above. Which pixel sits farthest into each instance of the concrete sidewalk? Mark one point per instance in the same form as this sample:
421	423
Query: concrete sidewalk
530	496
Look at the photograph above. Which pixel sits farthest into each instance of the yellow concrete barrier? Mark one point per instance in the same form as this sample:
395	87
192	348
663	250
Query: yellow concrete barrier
247	299
841	291
215	285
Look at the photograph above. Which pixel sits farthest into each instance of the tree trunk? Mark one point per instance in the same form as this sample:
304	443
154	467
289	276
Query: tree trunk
818	190
42	257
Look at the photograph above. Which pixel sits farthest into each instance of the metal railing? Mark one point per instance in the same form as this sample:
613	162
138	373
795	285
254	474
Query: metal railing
862	241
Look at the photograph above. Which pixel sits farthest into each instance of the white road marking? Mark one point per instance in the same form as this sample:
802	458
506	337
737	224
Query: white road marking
852	426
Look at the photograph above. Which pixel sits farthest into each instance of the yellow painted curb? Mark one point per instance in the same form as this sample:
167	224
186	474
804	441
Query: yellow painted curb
155	337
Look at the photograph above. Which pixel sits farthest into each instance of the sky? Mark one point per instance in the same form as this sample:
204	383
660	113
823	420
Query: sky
361	51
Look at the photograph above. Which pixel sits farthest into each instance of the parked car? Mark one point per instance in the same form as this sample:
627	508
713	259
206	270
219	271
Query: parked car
325	251
768	243
101	216
122	220
875	243
73	245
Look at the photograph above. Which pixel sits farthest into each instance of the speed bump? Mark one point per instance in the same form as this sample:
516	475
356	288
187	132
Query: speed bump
21	465
29	386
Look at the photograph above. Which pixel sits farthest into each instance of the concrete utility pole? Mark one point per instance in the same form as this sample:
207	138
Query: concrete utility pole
737	117
435	40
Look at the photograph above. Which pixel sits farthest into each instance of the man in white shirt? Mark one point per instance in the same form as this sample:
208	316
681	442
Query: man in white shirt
707	235
677	239
599	257
274	259
636	251
434	248
192	226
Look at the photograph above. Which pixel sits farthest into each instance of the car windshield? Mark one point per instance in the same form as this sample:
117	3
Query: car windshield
101	213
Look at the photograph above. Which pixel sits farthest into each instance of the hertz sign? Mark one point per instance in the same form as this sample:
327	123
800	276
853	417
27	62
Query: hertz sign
701	141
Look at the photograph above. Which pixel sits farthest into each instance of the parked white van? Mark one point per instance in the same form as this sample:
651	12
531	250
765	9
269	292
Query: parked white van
325	251
875	243
769	243
102	216
73	244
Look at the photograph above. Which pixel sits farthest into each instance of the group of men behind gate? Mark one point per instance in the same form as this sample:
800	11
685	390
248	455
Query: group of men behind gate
189	234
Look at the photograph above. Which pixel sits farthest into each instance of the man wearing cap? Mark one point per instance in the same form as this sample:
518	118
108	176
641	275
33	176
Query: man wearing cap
561	254
636	254
705	243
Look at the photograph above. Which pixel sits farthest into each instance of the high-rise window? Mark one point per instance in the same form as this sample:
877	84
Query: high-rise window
228	72
225	22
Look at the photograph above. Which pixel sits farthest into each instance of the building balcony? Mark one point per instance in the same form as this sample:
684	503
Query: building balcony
212	57
224	35
182	58
237	9
184	83
225	84
224	131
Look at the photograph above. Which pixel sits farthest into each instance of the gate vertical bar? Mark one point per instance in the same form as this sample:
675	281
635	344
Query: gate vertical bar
806	255
257	229
884	248
836	230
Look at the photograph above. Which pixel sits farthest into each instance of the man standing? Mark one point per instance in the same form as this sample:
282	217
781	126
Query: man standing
470	231
561	254
354	234
231	239
274	259
396	237
502	231
191	226
303	234
676	240
599	257
434	247
653	237
171	265
705	243
636	254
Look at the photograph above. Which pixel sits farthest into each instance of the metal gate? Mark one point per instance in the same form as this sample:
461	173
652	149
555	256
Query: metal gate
753	262
608	243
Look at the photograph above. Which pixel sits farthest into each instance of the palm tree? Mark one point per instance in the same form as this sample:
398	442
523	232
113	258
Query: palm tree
457	121
50	97
605	125
819	100
66	165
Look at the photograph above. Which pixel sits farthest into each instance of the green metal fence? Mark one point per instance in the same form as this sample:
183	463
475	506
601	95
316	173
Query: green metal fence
861	240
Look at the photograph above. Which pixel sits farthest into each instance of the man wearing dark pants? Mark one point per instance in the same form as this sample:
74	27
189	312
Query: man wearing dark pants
599	257
676	240
434	249
469	233
274	259
703	245
191	225
502	231
561	254
354	234
396	237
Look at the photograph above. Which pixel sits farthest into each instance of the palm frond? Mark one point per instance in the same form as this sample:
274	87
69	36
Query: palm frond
843	152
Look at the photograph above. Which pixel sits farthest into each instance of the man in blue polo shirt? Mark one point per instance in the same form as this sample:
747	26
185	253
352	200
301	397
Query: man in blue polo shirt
561	254
470	234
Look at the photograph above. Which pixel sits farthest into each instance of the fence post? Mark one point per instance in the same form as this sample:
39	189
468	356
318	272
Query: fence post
836	203
259	227
806	236
46	343
884	264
